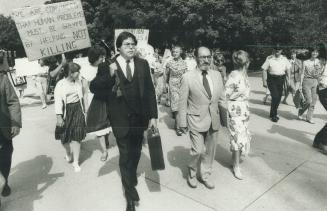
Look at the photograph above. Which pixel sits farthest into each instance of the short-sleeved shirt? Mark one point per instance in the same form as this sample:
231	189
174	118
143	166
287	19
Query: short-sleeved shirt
313	68
276	65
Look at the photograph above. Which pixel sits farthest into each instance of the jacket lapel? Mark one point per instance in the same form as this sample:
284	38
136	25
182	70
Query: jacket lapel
140	73
121	77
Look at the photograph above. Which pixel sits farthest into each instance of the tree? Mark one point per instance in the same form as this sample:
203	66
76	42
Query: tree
9	37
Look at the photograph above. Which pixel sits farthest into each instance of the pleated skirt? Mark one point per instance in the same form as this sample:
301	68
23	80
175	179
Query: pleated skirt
75	126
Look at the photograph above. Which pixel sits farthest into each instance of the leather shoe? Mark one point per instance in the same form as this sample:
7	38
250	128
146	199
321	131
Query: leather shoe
130	205
192	181
274	119
208	184
6	191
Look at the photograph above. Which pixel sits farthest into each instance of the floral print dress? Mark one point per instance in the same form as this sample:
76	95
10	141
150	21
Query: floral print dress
237	96
175	71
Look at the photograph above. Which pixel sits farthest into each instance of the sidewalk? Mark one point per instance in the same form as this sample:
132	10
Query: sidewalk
283	171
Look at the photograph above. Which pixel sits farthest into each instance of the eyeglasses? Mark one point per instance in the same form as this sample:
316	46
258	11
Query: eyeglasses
129	45
205	57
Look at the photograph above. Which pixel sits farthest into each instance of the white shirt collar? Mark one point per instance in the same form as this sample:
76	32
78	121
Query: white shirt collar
122	63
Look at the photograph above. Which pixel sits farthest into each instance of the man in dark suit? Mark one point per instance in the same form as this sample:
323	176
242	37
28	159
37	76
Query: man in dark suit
132	107
10	124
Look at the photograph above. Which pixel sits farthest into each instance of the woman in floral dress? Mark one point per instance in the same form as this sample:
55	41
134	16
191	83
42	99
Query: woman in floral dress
174	70
237	96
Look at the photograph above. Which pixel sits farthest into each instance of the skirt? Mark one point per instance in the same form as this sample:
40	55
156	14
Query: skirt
97	120
75	126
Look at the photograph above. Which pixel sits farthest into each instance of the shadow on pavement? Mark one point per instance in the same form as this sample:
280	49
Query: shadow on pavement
92	144
258	92
223	156
152	178
28	180
179	157
260	112
297	135
167	119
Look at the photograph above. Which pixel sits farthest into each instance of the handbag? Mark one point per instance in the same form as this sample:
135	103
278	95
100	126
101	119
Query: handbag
155	149
223	112
298	99
59	131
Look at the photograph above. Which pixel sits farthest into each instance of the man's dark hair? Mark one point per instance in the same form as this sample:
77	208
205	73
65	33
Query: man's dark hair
95	52
124	36
196	52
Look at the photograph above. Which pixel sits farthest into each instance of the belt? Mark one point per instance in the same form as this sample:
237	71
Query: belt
276	75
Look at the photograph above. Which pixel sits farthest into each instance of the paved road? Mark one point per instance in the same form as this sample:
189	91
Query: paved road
283	171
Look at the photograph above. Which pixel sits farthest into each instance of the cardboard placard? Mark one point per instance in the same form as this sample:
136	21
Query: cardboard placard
52	29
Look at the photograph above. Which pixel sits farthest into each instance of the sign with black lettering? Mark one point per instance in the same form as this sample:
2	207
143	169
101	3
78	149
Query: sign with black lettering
52	29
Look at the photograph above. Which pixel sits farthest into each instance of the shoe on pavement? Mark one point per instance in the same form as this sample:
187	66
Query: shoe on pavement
104	156
6	191
77	168
237	173
274	119
192	181
208	184
69	158
310	121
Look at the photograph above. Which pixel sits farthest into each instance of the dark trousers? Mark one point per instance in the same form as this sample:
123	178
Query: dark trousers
323	97
130	148
275	86
6	151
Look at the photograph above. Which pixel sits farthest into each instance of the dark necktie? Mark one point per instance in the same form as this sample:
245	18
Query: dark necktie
206	83
128	71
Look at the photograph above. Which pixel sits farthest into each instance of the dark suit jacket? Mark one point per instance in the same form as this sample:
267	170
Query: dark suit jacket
102	87
10	113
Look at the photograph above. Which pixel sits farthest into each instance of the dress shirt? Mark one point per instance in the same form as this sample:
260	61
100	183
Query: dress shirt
276	65
123	64
208	78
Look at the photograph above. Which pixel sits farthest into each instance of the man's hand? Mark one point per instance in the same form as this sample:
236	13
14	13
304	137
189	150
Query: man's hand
14	131
152	124
112	67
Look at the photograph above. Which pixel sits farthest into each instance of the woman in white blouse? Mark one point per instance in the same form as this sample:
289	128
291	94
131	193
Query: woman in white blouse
70	111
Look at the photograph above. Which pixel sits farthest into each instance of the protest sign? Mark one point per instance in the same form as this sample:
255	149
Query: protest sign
52	29
142	35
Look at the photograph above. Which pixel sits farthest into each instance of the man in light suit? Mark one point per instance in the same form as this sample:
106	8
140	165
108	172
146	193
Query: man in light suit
201	91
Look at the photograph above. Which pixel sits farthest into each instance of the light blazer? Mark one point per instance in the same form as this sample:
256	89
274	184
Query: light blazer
196	110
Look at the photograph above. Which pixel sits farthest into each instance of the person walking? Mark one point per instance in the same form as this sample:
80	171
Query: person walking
70	107
97	120
313	69
237	97
175	70
276	70
295	76
201	91
41	83
132	107
10	124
